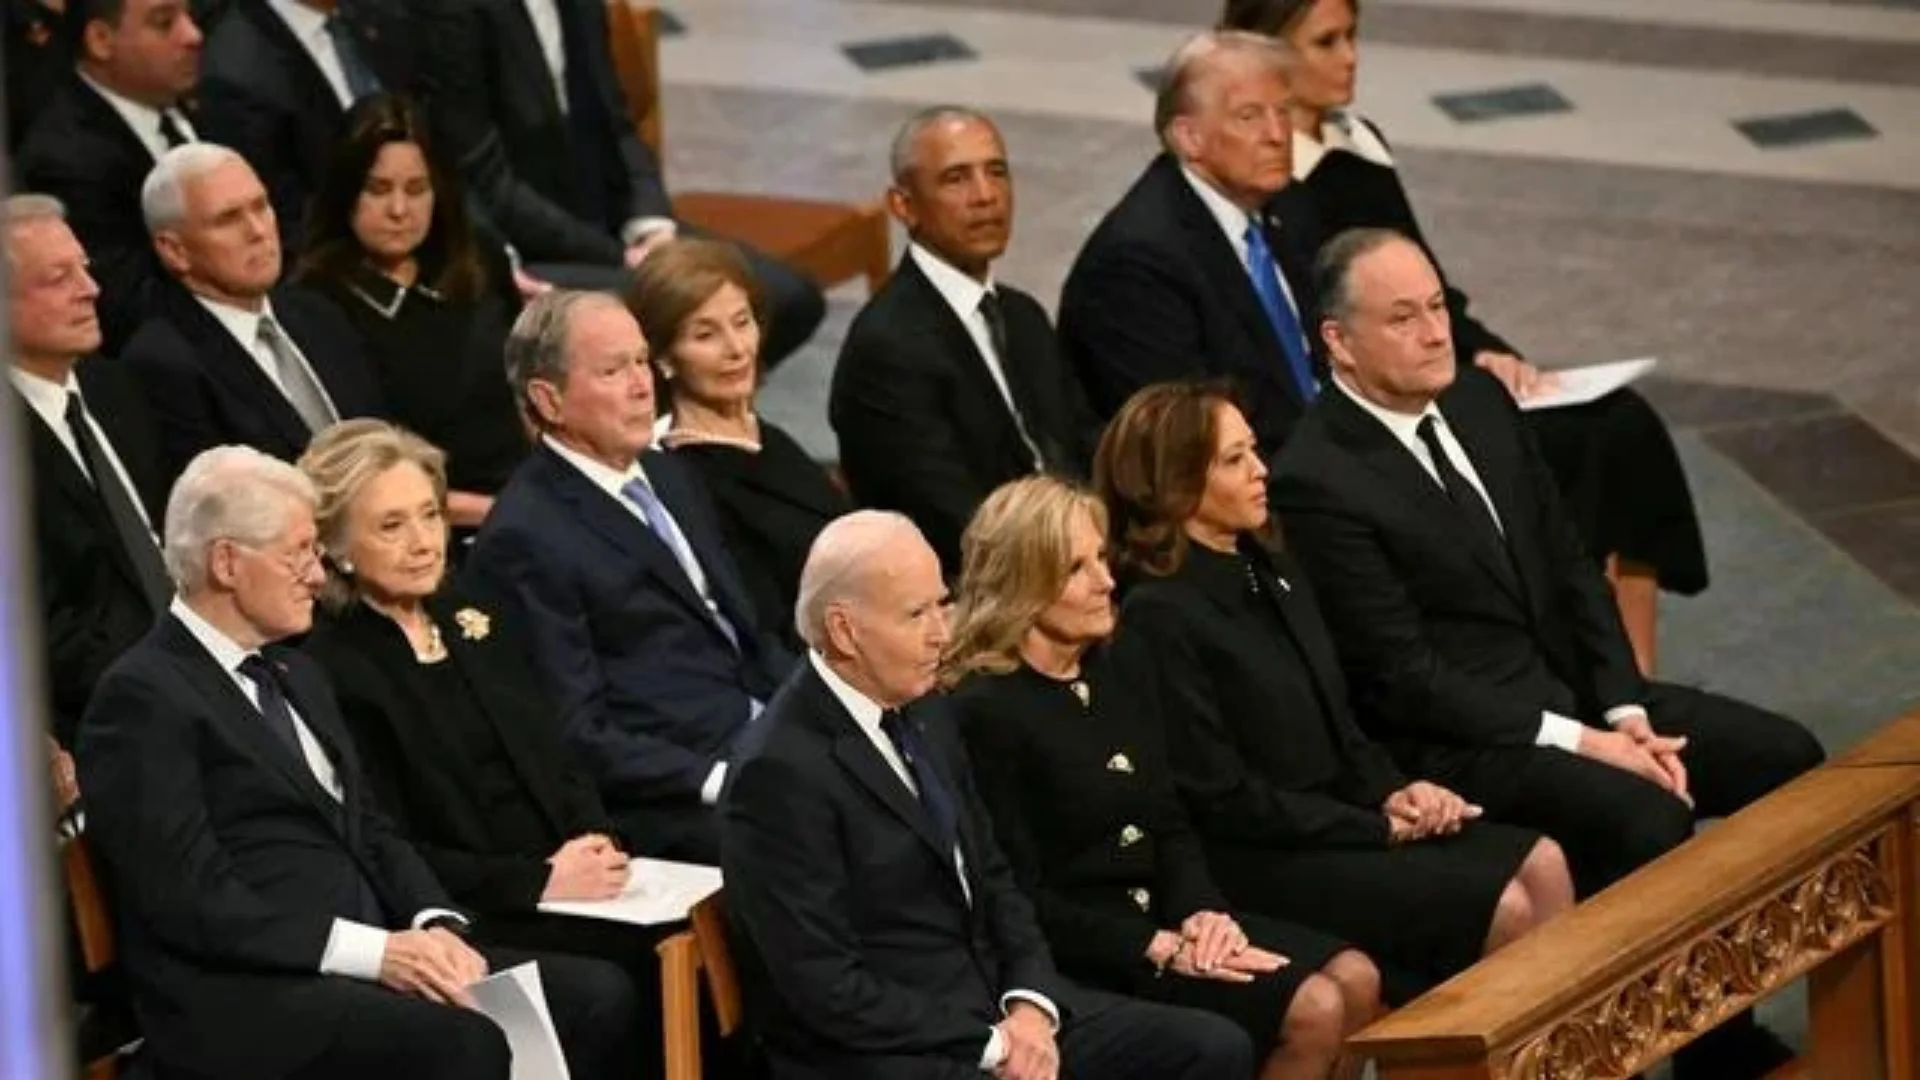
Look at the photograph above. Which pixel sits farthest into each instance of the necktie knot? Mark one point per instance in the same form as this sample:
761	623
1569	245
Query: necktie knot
260	671
893	724
170	130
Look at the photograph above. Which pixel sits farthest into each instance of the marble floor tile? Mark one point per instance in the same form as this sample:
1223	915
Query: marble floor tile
1822	465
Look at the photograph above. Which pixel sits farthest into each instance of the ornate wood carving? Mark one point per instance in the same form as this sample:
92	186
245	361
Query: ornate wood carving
1723	970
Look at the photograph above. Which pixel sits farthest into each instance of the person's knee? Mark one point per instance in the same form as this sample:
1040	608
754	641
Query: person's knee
1220	1047
1546	871
1513	912
1650	828
1316	1018
1359	981
473	1047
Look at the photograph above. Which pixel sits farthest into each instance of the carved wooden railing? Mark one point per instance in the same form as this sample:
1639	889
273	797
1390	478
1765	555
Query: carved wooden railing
1819	879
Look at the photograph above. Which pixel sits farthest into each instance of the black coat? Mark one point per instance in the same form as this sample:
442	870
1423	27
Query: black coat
37	64
210	391
91	601
227	862
415	749
1157	294
923	427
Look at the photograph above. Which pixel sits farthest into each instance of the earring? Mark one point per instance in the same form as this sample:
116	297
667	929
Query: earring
346	566
666	373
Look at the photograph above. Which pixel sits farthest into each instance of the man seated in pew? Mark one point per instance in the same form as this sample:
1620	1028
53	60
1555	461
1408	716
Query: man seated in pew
227	353
1477	634
949	383
884	934
539	125
648	641
271	922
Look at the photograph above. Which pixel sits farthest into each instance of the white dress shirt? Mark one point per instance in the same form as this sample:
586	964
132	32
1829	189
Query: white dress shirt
866	715
310	30
48	400
1555	729
545	16
144	119
963	295
244	325
1339	130
1234	221
354	949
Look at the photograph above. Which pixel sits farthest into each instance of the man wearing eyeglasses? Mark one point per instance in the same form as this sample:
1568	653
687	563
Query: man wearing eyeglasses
272	922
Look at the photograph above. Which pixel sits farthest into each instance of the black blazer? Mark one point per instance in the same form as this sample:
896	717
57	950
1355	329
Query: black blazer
1264	747
1083	802
82	152
91	601
262	94
416	758
210	391
858	940
771	504
1450	641
651	693
227	862
558	184
37	65
1158	294
924	429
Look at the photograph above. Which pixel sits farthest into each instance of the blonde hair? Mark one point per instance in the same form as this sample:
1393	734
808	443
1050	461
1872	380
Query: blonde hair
1015	558
341	460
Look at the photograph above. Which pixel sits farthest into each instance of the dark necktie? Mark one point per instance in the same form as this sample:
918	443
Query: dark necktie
1273	300
273	705
132	529
1465	499
1022	405
361	80
171	132
906	738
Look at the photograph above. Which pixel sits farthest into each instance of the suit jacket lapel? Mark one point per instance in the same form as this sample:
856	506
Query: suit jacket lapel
55	470
618	526
232	365
530	58
943	326
676	490
102	117
1498	473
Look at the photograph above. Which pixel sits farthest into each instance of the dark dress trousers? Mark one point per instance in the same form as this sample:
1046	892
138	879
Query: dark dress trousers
651	693
208	390
560	178
1074	776
772	503
923	427
863	953
1455	645
1157	293
228	864
1620	478
262	93
1285	789
91	598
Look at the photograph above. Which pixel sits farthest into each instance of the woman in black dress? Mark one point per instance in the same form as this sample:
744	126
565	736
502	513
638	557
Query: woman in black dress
1066	749
1303	817
1614	458
705	318
389	241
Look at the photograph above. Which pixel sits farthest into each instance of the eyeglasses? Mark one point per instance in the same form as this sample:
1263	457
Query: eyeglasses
298	563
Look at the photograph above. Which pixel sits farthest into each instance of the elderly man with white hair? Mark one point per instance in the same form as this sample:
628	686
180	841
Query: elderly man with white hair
227	354
271	922
883	932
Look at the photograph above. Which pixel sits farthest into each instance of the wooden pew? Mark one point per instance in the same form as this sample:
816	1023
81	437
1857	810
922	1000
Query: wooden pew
684	956
1818	879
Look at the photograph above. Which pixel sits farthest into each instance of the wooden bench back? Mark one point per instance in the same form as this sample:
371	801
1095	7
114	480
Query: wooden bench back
633	29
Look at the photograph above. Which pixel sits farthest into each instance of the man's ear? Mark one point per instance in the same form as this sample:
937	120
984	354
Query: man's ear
1334	336
543	398
1184	137
172	251
96	40
841	635
900	205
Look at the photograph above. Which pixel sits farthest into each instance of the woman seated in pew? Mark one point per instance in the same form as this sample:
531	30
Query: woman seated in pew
705	318
1615	461
389	240
1302	817
461	749
1066	749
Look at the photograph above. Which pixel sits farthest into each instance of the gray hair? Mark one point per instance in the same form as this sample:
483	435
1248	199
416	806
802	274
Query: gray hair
1197	56
1333	268
537	345
900	156
28	208
839	563
163	195
228	493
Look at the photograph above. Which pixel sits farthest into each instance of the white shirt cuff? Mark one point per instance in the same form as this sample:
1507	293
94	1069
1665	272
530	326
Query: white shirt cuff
637	229
1560	731
428	913
710	791
354	950
1620	714
1034	998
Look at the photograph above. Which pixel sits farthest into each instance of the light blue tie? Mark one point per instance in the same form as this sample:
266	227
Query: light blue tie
1266	284
654	512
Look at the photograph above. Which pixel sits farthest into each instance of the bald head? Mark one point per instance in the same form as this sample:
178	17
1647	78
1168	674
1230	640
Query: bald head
873	605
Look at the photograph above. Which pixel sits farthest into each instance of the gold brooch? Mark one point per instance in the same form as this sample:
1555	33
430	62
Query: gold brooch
1119	763
474	623
1082	691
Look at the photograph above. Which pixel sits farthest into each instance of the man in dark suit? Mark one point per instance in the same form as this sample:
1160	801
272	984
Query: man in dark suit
949	384
1203	267
884	934
279	76
226	356
97	490
95	141
526	97
639	620
38	62
1481	641
271	921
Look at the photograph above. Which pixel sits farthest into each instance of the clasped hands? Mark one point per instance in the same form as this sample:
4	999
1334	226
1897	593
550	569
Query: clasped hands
432	964
587	867
1211	945
1423	809
1633	745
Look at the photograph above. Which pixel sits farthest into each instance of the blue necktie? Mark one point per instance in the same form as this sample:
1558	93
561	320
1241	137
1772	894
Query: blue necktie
1266	283
661	522
361	80
907	741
